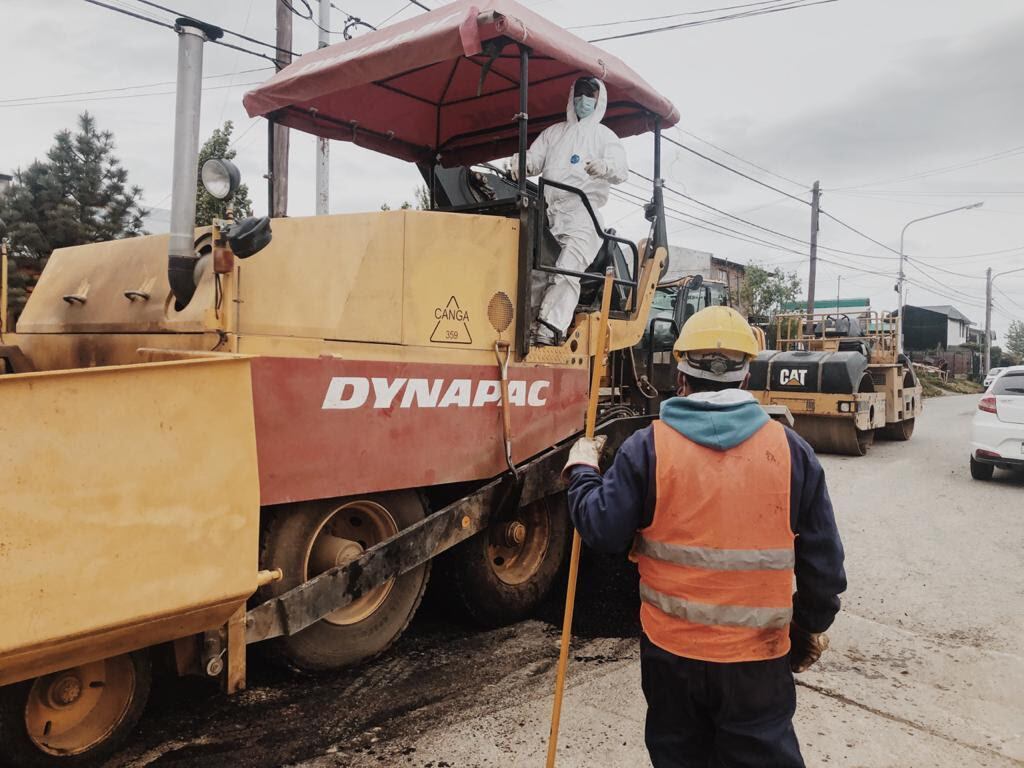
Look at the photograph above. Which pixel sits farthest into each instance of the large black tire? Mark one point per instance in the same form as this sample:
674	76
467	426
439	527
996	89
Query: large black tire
981	470
104	728
327	645
900	430
494	594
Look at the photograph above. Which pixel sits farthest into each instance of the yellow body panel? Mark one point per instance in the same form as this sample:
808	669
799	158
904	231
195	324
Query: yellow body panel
327	277
130	509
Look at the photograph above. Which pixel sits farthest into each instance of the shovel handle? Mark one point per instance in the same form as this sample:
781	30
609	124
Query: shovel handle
600	349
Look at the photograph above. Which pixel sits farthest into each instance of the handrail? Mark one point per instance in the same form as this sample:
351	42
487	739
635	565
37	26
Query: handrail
605	237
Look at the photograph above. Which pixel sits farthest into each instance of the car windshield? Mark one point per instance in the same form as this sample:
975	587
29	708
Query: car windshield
1009	384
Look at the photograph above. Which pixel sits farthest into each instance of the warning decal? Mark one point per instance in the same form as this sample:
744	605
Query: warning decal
452	324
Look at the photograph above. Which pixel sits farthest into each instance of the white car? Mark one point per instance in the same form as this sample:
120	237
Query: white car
993	372
997	433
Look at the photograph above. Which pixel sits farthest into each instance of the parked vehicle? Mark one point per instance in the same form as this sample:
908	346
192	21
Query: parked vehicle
997	434
991	376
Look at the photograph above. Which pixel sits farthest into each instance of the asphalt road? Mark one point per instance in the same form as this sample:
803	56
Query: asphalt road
926	665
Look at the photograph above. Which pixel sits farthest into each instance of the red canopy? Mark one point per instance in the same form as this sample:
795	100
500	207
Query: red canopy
410	90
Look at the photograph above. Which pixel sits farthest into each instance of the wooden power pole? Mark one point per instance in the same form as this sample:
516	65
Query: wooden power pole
812	272
279	171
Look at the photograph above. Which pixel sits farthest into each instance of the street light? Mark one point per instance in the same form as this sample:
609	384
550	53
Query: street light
902	256
988	312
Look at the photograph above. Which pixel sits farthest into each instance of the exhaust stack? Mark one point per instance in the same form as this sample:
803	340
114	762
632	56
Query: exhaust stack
181	257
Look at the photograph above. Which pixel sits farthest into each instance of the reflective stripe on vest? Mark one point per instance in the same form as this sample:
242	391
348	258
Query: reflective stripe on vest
718	559
716	563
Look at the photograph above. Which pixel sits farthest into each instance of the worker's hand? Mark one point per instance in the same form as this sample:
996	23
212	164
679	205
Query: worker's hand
597	168
805	647
585	453
512	168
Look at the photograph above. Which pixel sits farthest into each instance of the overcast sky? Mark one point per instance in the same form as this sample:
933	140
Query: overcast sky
871	97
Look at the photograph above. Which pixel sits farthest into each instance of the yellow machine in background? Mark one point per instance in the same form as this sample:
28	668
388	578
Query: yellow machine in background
842	378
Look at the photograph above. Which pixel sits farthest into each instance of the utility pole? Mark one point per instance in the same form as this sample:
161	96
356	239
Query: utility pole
323	146
839	288
988	319
812	273
279	171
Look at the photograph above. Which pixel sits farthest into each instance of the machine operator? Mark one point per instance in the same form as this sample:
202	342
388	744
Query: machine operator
583	153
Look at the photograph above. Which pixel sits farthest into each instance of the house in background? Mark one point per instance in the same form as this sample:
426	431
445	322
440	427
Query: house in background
687	261
942	332
830	306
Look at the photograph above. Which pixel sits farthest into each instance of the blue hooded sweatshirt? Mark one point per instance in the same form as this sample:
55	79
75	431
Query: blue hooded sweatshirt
609	510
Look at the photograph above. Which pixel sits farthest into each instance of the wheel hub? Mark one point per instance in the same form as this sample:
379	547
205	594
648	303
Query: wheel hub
518	548
515	534
65	690
71	712
344	535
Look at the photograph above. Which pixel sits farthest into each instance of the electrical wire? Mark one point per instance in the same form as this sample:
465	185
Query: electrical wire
226	31
124	96
940	269
761	227
741	159
396	13
748	177
796	4
937	171
620	22
852	228
126	12
1007	297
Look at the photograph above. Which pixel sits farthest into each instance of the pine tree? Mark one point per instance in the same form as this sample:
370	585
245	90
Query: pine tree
79	194
207	206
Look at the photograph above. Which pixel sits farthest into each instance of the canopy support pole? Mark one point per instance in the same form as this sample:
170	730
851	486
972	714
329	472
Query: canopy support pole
660	231
523	116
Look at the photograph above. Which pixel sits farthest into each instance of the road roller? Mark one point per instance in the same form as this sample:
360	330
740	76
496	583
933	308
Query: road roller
276	430
842	378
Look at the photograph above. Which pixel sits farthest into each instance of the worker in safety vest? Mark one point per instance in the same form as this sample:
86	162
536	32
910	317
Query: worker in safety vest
723	507
581	153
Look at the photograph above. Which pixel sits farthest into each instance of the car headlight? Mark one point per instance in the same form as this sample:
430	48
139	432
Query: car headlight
220	178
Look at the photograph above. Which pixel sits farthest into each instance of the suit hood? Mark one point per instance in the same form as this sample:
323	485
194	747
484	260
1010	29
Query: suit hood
596	116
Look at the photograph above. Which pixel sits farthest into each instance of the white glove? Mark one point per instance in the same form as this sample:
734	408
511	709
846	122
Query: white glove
512	166
585	453
596	168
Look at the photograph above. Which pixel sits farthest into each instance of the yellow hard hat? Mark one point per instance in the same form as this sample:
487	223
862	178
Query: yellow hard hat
725	339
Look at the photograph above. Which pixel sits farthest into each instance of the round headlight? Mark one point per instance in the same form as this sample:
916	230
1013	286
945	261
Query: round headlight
220	178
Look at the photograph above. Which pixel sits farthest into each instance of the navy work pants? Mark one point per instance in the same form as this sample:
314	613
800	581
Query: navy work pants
702	714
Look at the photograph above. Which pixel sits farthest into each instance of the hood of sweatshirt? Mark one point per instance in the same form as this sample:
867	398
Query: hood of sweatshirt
718	420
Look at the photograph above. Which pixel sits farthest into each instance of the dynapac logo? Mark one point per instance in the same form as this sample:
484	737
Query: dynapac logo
347	392
792	377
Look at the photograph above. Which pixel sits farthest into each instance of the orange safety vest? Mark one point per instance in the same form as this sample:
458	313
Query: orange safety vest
716	562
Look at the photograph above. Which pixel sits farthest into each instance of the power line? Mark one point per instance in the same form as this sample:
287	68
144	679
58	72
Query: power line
862	234
761	227
123	88
794	5
672	15
936	171
679	144
743	160
947	271
1007	297
396	13
126	12
227	31
124	96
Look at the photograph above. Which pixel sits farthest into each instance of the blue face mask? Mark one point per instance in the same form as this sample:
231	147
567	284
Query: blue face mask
585	106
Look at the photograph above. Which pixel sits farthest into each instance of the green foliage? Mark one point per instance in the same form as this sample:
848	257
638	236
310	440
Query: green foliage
422	197
207	206
78	194
1015	342
763	291
997	356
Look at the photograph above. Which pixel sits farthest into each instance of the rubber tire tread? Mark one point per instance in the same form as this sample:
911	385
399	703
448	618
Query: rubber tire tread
293	521
475	591
17	749
980	470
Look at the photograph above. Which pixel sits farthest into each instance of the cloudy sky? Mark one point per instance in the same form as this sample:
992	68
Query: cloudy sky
901	108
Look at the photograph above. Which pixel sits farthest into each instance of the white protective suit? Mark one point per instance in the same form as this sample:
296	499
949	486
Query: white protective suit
561	153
